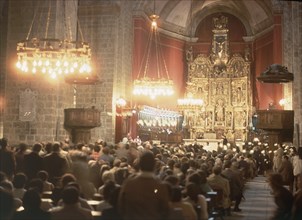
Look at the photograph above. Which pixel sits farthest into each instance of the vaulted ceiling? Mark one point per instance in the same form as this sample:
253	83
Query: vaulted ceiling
176	15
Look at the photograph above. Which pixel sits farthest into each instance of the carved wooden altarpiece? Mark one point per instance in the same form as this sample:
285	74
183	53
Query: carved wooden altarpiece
222	80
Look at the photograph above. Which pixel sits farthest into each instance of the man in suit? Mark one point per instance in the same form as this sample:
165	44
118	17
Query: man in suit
144	196
287	172
7	159
216	181
71	208
55	164
283	198
33	162
236	185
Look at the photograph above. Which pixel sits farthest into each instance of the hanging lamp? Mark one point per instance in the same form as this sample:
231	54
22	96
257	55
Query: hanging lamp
148	83
55	57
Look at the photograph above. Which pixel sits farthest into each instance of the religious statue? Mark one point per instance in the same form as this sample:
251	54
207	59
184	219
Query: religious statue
189	54
243	119
239	95
199	92
228	119
200	120
220	110
240	119
220	22
209	119
220	49
247	54
219	89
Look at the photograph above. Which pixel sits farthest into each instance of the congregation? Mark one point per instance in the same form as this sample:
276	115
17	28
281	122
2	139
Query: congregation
133	180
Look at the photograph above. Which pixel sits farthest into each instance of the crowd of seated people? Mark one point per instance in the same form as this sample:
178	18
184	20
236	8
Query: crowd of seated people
139	181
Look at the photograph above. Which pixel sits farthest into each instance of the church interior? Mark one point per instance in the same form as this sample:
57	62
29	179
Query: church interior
171	71
150	109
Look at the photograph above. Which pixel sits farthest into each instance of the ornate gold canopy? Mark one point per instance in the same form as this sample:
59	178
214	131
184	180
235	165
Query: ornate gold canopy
223	83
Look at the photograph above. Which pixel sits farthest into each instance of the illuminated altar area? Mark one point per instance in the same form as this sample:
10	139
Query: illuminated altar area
222	80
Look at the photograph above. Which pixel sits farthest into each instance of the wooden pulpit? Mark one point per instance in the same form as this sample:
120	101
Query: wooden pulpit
80	121
278	124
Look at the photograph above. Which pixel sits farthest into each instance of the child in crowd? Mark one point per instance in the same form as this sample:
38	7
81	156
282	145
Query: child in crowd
19	182
43	175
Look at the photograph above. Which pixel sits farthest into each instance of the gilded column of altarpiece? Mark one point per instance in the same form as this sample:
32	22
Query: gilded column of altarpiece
223	82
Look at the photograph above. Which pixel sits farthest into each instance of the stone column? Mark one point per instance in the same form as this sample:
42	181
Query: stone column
292	53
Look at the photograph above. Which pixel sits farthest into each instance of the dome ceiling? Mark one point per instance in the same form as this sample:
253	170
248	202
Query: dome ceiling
175	16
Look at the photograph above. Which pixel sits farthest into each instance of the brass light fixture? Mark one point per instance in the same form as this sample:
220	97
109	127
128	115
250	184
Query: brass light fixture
146	83
189	103
51	56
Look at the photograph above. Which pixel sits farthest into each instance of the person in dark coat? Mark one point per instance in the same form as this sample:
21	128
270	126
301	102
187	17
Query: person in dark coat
19	155
297	205
71	208
55	164
244	167
282	196
144	196
33	162
7	159
7	204
236	185
32	210
112	213
287	173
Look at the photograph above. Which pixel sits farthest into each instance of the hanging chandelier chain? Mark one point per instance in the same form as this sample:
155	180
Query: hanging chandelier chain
32	23
154	7
67	29
80	30
191	20
148	53
146	57
54	56
39	25
165	68
67	24
158	65
148	86
79	24
48	20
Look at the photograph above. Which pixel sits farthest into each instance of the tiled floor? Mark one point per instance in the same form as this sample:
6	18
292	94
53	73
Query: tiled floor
258	203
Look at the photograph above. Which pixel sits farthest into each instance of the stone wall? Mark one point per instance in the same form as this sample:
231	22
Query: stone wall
3	39
292	53
52	96
106	26
108	29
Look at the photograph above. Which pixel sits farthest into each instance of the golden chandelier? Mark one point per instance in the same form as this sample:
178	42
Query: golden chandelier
51	56
190	102
149	86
